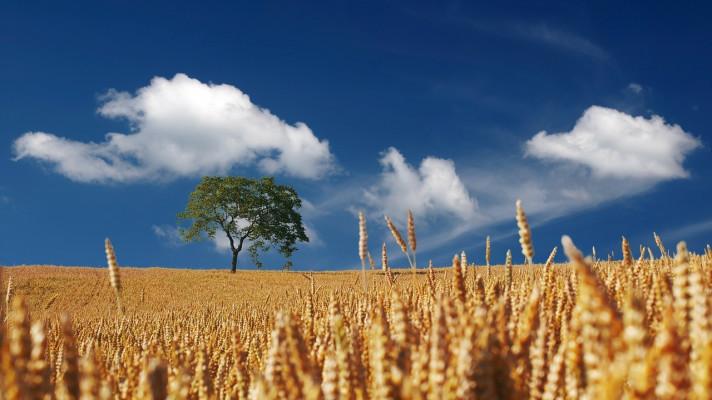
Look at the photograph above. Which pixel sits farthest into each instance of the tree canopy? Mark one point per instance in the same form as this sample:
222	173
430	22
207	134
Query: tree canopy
258	212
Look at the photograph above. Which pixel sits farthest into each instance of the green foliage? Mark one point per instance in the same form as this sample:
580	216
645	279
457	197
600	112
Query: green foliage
254	210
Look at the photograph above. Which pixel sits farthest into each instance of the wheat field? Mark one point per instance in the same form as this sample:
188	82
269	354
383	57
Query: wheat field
635	328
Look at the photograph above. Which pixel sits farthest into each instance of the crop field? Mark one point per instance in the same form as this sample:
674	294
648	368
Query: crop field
588	329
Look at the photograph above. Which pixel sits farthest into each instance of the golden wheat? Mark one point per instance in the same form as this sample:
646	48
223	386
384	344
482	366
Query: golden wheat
412	240
363	247
525	233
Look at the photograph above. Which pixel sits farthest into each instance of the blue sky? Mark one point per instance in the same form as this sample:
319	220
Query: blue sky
595	115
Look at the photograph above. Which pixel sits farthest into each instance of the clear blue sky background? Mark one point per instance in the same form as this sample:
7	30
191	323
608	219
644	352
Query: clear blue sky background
433	107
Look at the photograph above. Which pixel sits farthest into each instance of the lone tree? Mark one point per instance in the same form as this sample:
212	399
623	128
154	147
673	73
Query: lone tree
254	210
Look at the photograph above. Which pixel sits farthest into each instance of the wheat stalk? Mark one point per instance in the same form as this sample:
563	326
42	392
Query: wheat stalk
411	236
463	263
661	247
627	255
458	280
363	247
508	270
70	378
399	239
371	263
488	251
114	273
8	295
525	234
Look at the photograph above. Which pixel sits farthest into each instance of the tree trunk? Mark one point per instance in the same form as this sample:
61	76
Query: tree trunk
234	261
235	251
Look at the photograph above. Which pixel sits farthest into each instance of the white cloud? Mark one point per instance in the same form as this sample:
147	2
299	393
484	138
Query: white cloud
222	243
635	87
314	238
431	190
169	234
183	127
614	144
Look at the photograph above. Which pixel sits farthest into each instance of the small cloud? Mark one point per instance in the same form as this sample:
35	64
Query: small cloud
433	189
634	88
314	238
169	234
182	127
221	243
614	144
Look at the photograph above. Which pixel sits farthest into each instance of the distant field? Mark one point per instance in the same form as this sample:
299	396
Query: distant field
50	290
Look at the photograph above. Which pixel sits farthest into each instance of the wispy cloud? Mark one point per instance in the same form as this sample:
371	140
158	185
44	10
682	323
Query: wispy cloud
543	33
168	234
314	238
688	231
633	87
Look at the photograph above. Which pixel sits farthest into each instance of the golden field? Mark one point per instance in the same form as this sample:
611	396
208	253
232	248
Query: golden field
632	328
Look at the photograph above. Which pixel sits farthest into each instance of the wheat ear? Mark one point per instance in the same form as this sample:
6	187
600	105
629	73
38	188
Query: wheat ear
625	249
411	236
488	251
661	247
114	273
525	233
398	238
363	247
371	263
8	296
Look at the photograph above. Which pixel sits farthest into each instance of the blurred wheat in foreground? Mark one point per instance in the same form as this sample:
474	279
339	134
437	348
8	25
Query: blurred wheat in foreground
633	329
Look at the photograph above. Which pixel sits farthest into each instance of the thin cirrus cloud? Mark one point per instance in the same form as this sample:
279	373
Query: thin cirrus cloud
614	144
545	34
557	38
183	127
